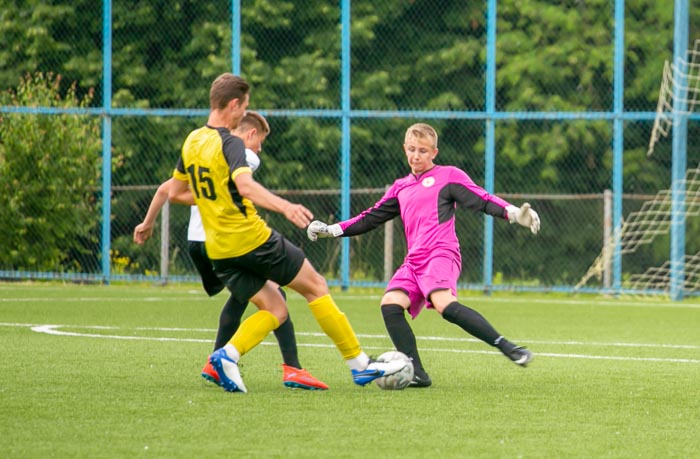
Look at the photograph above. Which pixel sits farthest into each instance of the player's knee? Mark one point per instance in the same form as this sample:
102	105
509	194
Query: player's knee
318	284
279	310
440	299
309	283
396	297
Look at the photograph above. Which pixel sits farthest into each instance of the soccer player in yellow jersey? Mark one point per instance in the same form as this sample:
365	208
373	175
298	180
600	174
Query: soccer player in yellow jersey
248	256
253	129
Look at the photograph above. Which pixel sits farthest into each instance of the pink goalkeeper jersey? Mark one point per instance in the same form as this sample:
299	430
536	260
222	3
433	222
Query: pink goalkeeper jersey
427	205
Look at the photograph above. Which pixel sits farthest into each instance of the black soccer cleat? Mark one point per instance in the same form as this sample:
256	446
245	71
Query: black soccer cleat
420	379
520	356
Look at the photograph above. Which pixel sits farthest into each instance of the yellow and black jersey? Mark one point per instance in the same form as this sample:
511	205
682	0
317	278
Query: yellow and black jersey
211	158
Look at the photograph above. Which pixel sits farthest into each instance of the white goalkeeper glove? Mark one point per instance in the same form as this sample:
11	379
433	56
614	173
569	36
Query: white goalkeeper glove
525	216
318	229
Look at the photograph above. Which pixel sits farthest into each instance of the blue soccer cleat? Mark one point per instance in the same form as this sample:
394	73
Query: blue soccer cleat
376	370
228	372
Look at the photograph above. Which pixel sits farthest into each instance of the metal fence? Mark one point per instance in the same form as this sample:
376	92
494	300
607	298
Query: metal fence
558	135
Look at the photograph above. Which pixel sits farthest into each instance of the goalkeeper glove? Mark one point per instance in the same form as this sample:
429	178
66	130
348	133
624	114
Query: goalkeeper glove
525	216
317	229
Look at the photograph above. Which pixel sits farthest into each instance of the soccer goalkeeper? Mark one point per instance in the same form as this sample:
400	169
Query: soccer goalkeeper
426	199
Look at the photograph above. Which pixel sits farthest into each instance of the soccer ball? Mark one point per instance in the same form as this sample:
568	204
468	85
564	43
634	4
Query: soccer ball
398	380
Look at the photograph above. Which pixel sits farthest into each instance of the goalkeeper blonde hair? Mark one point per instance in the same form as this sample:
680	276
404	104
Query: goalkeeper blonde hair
422	131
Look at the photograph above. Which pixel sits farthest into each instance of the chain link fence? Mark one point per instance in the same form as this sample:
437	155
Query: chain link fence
97	99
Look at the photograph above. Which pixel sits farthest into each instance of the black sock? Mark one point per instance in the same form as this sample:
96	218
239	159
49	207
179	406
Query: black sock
229	321
288	343
475	324
401	333
287	339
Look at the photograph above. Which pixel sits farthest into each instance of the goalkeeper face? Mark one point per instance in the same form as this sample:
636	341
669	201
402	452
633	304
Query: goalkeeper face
420	153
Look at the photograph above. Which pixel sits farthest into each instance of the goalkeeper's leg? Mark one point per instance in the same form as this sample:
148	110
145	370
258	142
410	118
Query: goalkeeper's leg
476	325
404	341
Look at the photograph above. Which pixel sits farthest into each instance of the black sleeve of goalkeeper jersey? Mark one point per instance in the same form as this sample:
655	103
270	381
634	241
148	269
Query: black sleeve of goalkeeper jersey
495	210
466	198
381	213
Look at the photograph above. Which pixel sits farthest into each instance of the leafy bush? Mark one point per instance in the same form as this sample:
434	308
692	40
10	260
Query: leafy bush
49	171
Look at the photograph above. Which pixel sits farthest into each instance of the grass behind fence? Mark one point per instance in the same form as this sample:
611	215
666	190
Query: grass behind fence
611	378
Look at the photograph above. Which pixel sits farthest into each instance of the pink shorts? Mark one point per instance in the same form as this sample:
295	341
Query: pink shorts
419	281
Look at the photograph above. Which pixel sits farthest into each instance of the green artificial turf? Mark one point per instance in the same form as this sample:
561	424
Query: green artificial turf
113	371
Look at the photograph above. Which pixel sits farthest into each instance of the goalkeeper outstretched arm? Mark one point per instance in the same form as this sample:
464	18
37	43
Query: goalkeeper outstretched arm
469	195
384	210
523	215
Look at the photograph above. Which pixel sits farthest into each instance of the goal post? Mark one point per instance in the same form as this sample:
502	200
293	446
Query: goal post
668	212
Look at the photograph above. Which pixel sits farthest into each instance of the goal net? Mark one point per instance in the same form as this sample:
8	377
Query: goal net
680	88
678	95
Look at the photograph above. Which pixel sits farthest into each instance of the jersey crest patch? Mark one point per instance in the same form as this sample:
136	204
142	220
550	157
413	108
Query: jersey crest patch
428	182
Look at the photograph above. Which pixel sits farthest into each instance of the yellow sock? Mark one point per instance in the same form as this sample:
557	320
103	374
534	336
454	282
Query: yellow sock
336	326
253	330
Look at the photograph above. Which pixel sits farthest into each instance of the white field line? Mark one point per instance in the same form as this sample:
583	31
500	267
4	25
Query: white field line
52	329
45	299
374	299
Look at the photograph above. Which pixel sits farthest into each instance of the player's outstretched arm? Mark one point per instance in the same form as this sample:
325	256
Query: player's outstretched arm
318	229
524	216
261	196
144	230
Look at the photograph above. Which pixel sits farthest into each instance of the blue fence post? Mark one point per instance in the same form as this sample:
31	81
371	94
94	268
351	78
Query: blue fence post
345	179
236	36
106	139
618	138
490	145
679	162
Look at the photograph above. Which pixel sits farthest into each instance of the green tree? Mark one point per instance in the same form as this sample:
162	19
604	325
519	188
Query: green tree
405	55
49	172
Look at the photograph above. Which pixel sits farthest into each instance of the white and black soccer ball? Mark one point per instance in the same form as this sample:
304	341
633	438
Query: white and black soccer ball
399	380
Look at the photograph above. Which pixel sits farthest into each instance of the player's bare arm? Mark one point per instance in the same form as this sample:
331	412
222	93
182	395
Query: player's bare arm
262	197
142	233
180	193
144	230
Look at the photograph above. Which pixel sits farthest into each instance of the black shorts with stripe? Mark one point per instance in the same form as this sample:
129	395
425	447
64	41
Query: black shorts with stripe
277	259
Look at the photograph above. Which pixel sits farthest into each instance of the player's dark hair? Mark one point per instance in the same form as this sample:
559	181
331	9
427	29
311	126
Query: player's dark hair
225	88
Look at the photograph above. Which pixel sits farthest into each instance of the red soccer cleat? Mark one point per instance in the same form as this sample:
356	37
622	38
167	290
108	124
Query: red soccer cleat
209	373
297	378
